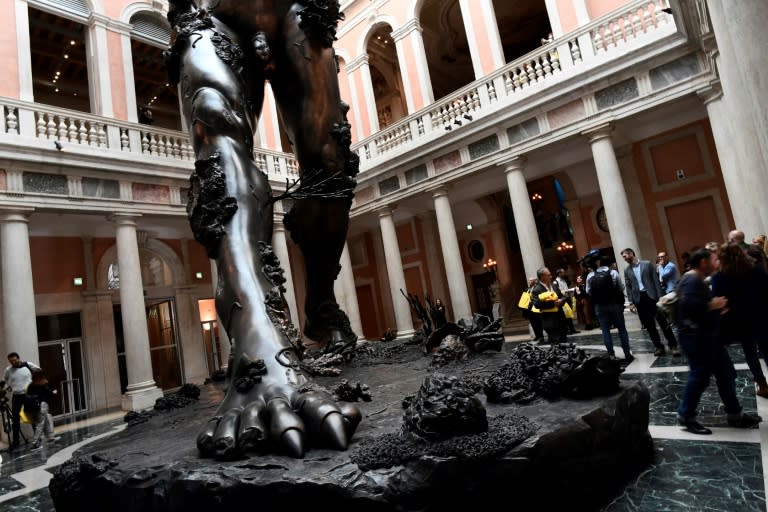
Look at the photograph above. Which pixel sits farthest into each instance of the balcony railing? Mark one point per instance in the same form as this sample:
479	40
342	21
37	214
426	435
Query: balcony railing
635	25
38	125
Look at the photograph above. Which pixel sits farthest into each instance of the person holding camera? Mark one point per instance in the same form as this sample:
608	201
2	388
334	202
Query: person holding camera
17	377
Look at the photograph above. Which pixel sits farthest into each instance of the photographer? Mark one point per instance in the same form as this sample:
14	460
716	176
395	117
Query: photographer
17	377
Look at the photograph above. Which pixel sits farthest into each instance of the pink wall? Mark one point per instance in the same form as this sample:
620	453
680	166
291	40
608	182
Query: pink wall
597	8
9	85
116	76
568	21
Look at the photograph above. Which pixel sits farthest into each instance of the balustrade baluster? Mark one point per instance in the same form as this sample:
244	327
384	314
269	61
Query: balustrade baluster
71	130
125	142
618	36
420	125
661	16
516	81
93	135
152	144
50	127
547	66
538	70
161	150
40	125
62	129
647	19
491	91
176	149
509	84
11	121
144	142
82	132
102	135
637	24
607	36
554	58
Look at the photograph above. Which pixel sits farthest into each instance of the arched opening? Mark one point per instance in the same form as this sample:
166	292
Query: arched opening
157	101
523	26
385	76
59	61
445	43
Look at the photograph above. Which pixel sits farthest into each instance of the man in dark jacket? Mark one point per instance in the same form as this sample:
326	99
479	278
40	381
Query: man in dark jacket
551	311
697	315
644	290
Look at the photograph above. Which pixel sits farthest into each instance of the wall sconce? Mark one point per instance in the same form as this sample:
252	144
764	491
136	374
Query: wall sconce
565	247
537	197
490	265
469	227
198	275
77	281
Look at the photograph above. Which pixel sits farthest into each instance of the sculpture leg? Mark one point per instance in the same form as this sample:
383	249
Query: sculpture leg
306	89
268	405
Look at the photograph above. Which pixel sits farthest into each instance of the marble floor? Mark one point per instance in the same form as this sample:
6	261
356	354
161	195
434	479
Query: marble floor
721	472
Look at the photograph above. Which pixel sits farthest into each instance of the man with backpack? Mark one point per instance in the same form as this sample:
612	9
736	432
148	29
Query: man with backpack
606	290
17	377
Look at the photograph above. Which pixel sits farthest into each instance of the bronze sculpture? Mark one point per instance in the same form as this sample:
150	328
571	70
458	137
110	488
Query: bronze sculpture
222	52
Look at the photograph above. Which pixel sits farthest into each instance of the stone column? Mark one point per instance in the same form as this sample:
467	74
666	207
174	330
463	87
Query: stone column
346	293
739	29
97	54
482	36
280	245
225	346
454	269
20	326
525	224
368	101
141	392
615	202
403	320
412	56
746	214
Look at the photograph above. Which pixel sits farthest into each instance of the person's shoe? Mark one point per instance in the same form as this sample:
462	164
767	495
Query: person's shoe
674	351
693	426
53	439
629	358
744	420
37	445
762	388
660	352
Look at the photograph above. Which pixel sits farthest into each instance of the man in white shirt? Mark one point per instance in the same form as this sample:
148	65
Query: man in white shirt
17	377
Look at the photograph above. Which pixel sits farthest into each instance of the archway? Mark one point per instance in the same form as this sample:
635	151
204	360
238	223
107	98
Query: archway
385	76
523	26
445	43
157	100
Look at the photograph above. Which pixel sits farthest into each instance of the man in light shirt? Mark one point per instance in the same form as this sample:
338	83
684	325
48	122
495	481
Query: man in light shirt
668	273
17	377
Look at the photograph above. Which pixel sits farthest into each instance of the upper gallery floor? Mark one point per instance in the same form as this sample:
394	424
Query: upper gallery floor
85	92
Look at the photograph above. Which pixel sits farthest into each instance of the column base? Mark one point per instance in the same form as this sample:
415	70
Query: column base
405	334
140	399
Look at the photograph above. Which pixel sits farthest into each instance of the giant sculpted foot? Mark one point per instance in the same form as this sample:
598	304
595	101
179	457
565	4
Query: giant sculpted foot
273	408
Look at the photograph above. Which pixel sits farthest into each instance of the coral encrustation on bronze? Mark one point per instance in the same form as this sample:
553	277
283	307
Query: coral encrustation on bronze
578	456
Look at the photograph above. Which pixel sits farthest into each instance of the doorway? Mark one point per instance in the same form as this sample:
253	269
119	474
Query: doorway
163	344
61	357
482	285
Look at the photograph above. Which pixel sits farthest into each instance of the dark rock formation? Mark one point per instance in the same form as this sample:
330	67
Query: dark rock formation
346	392
451	349
561	455
482	333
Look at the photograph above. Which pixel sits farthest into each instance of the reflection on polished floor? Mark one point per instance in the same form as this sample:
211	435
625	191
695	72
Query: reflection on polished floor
721	472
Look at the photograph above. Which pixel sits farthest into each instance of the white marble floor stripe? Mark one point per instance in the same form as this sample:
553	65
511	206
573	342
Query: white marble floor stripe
37	478
89	422
731	435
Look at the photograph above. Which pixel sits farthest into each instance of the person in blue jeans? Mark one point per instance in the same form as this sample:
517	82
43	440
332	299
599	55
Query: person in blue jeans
697	316
606	290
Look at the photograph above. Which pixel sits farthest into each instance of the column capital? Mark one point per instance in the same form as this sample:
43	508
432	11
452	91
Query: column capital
599	132
713	91
98	20
124	219
405	29
357	62
385	211
516	163
16	214
439	190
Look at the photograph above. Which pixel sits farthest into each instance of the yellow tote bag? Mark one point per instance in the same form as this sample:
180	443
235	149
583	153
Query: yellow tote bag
525	300
24	417
567	310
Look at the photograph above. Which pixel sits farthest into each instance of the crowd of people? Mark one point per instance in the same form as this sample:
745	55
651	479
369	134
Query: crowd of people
712	300
30	396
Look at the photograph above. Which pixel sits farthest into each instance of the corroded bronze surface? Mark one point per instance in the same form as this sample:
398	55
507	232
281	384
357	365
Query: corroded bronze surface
222	53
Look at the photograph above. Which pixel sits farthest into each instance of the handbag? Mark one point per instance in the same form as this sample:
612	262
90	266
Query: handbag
567	310
525	301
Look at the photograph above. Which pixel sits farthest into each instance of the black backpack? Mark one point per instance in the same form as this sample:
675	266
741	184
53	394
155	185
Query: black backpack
604	290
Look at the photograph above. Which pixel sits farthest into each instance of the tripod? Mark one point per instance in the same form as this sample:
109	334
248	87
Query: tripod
6	416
